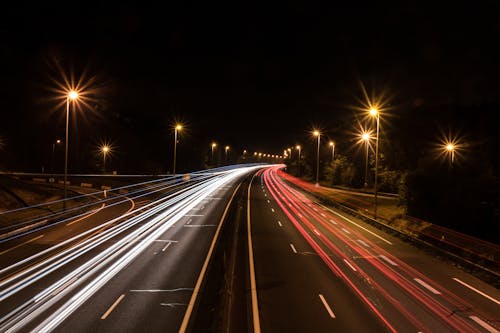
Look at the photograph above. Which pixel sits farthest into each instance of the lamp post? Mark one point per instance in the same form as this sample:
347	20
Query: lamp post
318	134
298	161
104	150
365	136
375	113
53	153
72	96
450	148
332	144
289	152
226	150
177	128
213	147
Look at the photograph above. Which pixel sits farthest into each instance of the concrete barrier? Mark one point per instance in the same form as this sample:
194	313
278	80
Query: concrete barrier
40	180
88	185
62	182
106	188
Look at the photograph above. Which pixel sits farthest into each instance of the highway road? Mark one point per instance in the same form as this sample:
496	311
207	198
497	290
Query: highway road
319	270
146	261
132	266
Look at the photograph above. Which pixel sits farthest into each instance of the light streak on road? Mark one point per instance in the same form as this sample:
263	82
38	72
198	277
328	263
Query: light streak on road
340	239
122	243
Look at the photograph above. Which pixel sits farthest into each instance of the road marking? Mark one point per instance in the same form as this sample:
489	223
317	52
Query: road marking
346	231
272	209
61	288
89	215
484	324
350	221
268	201
316	232
253	283
293	248
332	221
327	307
428	287
159	290
477	291
165	240
194	215
198	208
197	287
279	223
199	225
165	247
363	243
18	245
388	260
323	214
112	307
189	221
349	264
300	215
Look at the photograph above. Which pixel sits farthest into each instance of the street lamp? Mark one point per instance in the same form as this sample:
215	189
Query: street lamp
375	113
289	152
53	153
450	148
332	144
226	150
318	134
213	147
177	128
365	136
105	149
298	163
72	96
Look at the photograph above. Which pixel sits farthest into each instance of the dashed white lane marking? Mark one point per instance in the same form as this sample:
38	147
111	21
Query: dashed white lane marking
388	260
363	243
268	201
322	214
189	221
279	223
477	291
194	215
349	264
272	209
332	221
316	232
484	324
426	286
293	248
112	307
165	240
346	231
327	307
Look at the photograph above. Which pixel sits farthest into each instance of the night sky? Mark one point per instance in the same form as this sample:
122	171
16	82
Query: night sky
255	76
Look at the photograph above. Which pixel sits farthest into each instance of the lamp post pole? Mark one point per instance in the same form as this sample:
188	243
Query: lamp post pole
376	113
176	129
318	134
298	161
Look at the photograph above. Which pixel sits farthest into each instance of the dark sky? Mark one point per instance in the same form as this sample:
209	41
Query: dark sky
252	75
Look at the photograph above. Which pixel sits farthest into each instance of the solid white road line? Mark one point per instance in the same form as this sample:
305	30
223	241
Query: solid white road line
349	264
477	291
112	307
359	226
293	248
89	215
388	260
484	324
428	287
327	307
194	295
18	245
253	284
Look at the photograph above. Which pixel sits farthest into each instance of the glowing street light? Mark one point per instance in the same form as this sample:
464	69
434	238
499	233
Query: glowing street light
318	134
213	147
105	149
375	113
226	150
450	148
71	96
298	163
177	128
54	152
332	144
